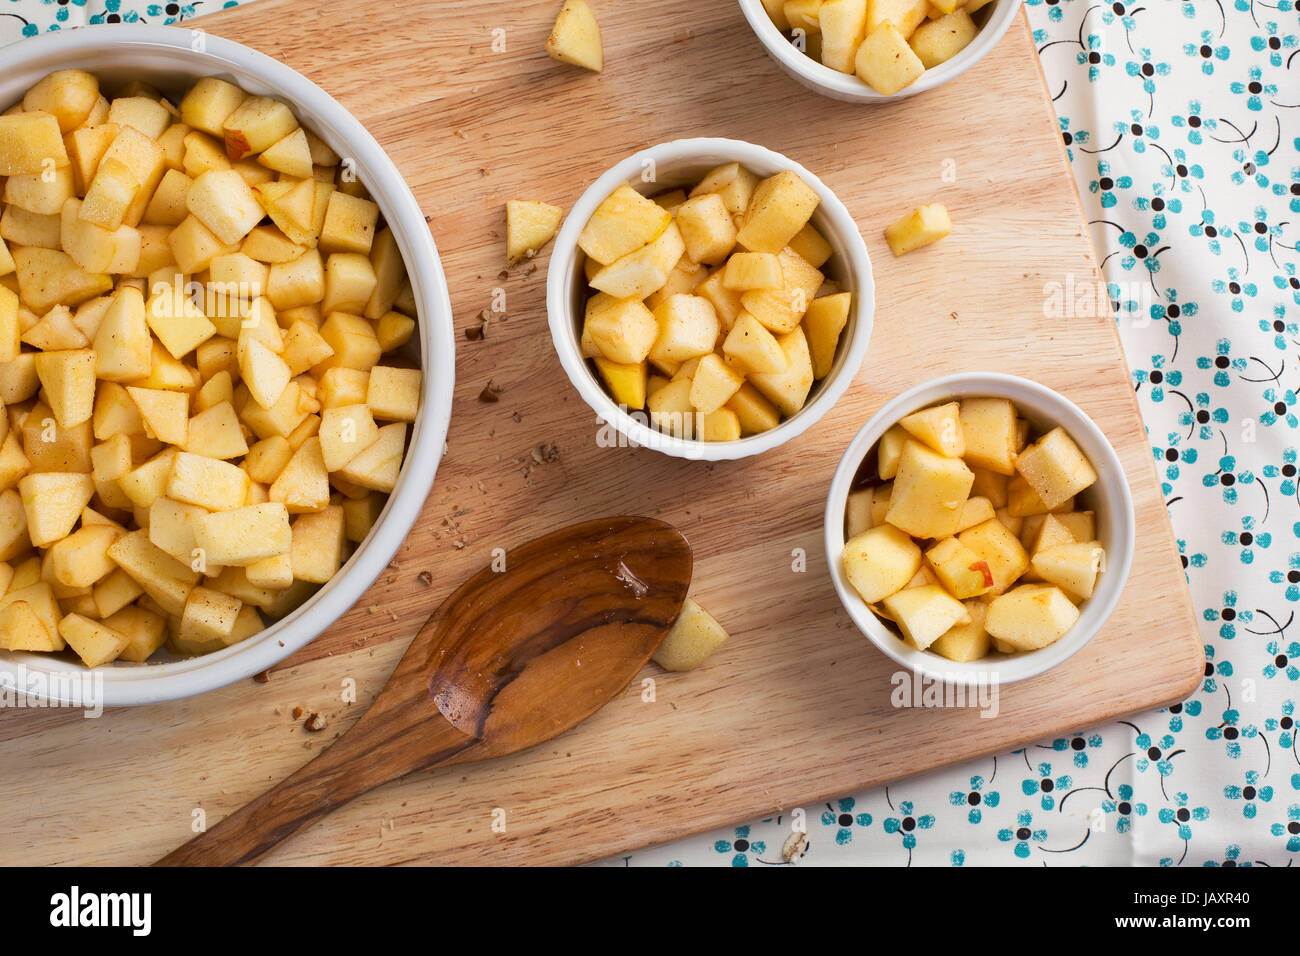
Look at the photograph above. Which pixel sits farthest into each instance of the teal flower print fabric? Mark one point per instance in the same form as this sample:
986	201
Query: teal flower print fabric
1182	126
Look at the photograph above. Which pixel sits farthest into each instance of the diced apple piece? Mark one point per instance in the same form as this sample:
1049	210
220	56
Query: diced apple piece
880	561
163	578
671	410
94	643
1081	524
144	630
989	428
713	384
706	228
68	378
378	466
255	124
393	394
623	223
97	250
753	347
929	492
781	205
209	103
941	39
754	412
1031	616
303	486
345	432
53	501
1055	468
962	572
22	629
925	613
575	38
920	227
245	535
823	323
264	372
906	15
788	390
216	432
209	615
965	642
626	382
623	332
81	559
694	637
857	512
290	155
30	142
68	95
752	270
530	225
719	425
843	26
223	202
733	182
975	511
782	309
165	413
687	328
937	427
889	451
349	224
1073	567
318	540
641	272
1002	550
207	482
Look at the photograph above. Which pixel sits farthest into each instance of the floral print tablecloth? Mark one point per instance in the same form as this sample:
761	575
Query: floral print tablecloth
1182	122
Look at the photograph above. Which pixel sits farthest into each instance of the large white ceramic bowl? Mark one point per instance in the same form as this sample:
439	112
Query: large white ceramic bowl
171	58
994	20
1108	497
684	162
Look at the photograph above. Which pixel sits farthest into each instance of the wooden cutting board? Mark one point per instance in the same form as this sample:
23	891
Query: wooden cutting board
795	708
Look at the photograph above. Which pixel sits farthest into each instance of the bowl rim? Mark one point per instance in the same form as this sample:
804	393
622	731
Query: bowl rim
172	680
847	87
563	319
1039	401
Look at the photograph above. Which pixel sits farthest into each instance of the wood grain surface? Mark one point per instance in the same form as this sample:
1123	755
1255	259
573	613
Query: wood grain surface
795	707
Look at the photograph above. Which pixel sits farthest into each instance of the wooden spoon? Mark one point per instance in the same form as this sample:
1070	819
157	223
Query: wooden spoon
511	659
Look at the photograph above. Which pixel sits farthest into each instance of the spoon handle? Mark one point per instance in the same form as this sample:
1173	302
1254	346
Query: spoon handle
372	753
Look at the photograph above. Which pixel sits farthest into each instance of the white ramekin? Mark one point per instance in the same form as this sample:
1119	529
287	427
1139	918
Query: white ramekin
1109	498
171	58
684	162
847	87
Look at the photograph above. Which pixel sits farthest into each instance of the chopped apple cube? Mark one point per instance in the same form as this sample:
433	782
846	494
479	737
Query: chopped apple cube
880	561
1031	616
920	227
925	613
939	428
623	223
530	225
929	492
1055	468
694	637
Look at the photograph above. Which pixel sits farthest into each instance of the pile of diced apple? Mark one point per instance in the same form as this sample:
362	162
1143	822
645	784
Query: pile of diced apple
887	43
198	420
710	309
968	538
